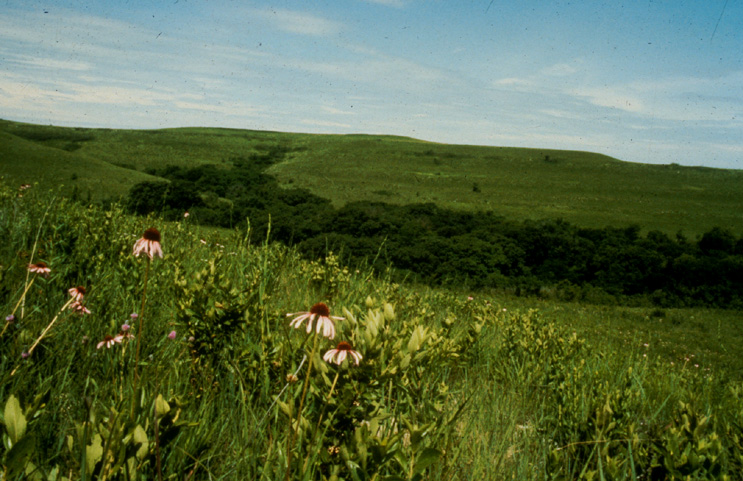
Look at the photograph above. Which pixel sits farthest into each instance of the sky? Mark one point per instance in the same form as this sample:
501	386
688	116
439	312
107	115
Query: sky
643	81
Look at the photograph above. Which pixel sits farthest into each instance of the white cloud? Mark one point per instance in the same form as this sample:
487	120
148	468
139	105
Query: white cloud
48	63
389	3
301	23
513	81
229	109
324	123
732	148
615	98
335	111
560	70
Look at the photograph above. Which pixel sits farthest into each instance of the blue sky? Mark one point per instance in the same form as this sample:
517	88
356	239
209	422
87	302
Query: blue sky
643	81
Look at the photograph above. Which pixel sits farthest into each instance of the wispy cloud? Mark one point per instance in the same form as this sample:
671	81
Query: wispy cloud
614	98
297	22
389	3
324	123
335	111
46	63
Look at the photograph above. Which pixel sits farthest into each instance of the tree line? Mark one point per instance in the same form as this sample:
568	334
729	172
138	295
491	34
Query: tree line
476	250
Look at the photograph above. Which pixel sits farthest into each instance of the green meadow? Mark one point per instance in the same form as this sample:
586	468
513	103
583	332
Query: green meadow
583	188
217	376
200	364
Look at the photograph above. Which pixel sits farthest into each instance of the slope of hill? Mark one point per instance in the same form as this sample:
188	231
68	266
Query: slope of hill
583	188
25	161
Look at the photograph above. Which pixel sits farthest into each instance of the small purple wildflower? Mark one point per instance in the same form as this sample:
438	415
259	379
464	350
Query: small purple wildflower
134	315
10	318
125	327
25	355
171	335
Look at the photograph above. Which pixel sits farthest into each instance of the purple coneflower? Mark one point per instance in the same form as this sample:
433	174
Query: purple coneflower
40	268
321	313
149	244
339	354
109	341
79	308
77	293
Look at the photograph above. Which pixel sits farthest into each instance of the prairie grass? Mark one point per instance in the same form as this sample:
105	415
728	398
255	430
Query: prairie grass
449	387
583	188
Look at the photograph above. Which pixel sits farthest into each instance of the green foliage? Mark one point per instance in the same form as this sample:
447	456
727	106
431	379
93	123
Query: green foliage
584	188
446	247
450	386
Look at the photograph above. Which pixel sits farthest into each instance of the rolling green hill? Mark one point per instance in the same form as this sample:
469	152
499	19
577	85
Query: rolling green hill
583	188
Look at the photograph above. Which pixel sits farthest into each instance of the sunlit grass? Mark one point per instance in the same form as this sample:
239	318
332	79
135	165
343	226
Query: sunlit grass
583	188
451	385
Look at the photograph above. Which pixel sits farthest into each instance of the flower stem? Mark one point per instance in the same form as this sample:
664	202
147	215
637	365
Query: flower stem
139	334
22	301
23	296
43	333
319	420
293	437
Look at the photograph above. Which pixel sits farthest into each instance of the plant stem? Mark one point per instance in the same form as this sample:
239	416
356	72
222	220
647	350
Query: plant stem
23	297
33	346
157	449
319	420
139	334
31	259
293	437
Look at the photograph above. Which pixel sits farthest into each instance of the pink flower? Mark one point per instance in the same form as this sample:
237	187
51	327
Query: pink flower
321	313
149	244
171	335
40	268
339	354
77	293
109	341
125	327
79	308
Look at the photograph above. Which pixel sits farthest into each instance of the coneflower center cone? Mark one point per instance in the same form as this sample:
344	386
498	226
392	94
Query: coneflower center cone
320	309
151	234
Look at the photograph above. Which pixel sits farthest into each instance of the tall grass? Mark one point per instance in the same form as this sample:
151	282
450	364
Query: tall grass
448	387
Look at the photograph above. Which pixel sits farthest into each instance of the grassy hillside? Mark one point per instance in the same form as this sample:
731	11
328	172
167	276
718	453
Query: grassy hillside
584	188
211	381
581	187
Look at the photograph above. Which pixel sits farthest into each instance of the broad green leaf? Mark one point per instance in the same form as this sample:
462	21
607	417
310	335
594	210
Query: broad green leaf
17	457
389	312
425	459
15	421
161	407
93	453
140	437
417	338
